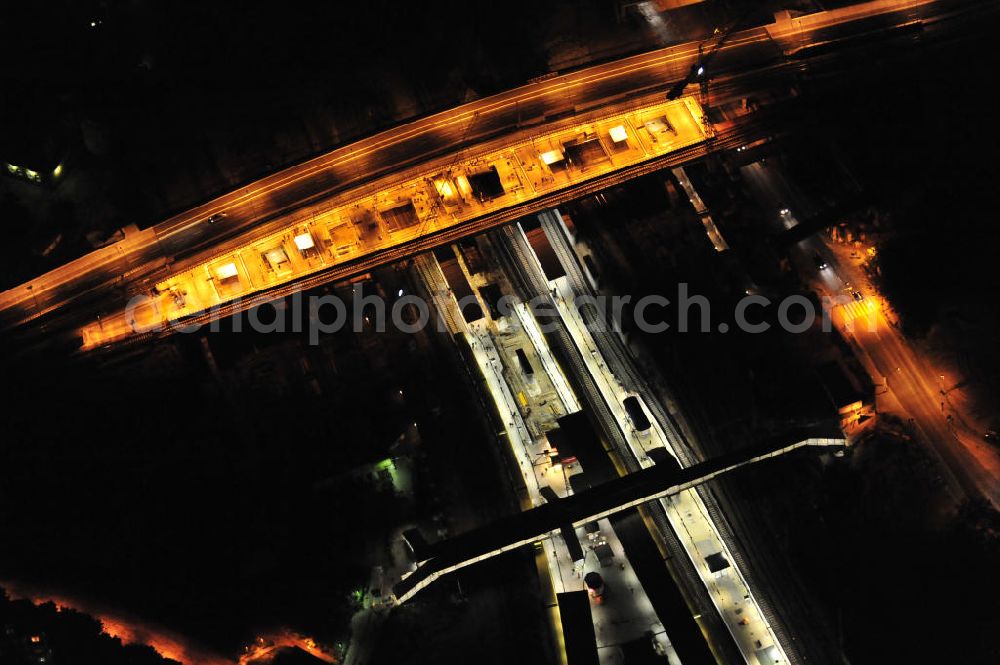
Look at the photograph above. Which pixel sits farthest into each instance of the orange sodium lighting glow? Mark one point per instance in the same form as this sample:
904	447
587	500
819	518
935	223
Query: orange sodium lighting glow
165	642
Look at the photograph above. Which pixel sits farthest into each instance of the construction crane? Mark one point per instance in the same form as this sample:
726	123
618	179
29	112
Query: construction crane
702	78
699	71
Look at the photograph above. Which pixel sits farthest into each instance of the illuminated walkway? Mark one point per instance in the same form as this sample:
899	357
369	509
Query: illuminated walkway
650	484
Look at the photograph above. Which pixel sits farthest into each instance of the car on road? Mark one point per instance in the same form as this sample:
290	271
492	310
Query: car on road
820	261
858	296
217	217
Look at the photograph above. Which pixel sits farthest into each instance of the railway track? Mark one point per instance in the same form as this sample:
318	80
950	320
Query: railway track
517	258
623	365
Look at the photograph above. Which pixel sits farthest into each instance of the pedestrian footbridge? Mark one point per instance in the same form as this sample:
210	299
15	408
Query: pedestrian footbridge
650	484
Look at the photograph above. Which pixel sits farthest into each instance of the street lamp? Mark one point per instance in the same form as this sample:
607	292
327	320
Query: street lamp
34	296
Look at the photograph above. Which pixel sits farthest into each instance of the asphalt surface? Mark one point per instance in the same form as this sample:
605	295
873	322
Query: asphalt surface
256	205
908	382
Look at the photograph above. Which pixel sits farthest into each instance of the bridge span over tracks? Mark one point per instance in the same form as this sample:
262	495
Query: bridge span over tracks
650	484
285	228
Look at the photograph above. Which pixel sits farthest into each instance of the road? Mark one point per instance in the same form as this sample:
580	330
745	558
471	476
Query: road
490	181
919	389
261	206
908	383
